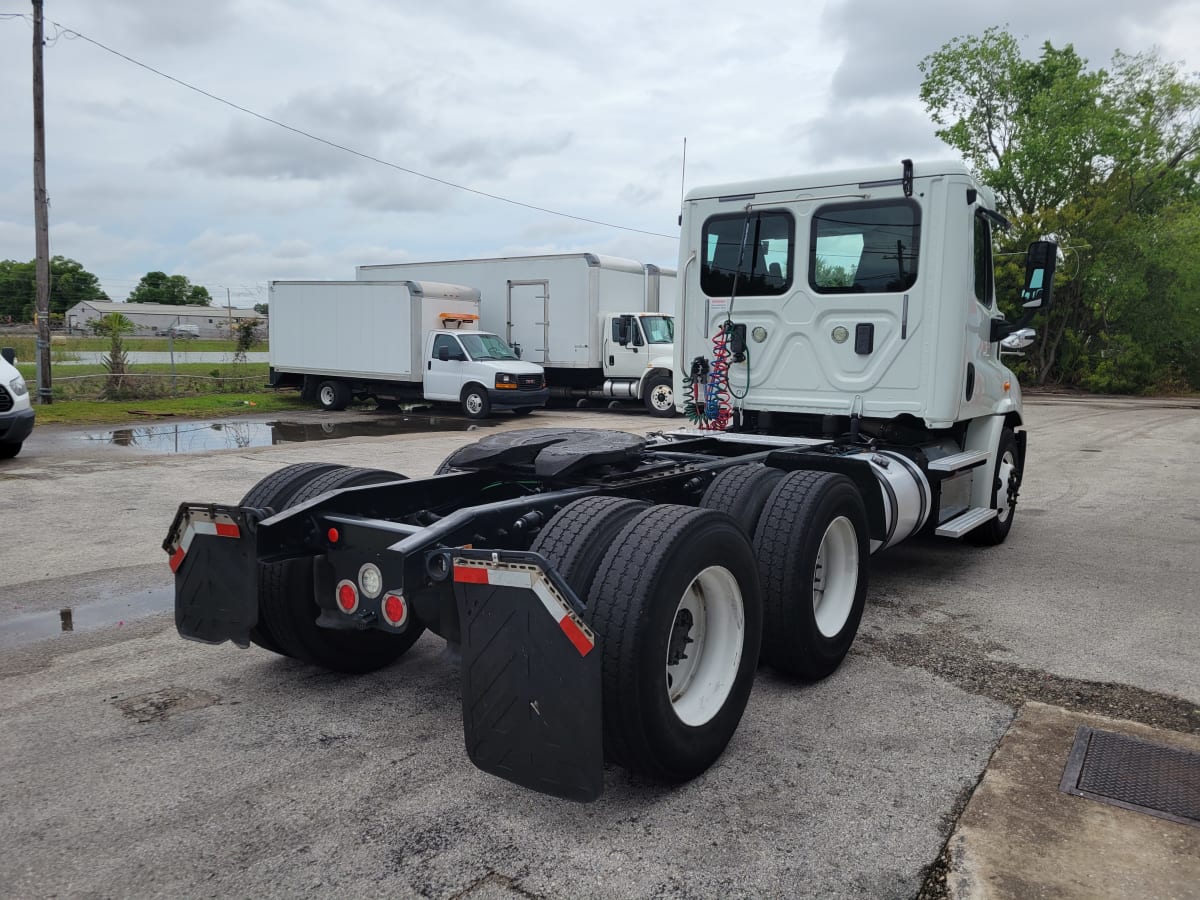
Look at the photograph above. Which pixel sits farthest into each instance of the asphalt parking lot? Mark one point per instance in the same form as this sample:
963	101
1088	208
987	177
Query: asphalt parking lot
138	764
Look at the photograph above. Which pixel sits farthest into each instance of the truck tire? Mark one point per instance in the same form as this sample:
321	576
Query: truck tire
8	451
812	548
660	396
1006	483
475	402
677	612
287	607
742	491
576	538
273	492
333	395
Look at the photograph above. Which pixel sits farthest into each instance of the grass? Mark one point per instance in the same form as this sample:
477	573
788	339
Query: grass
120	412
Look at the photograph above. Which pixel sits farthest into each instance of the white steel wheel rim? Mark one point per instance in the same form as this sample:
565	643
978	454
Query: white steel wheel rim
1008	468
835	577
663	397
699	683
327	396
474	403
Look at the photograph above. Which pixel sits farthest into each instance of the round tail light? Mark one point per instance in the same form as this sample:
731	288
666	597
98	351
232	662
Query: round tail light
347	596
395	610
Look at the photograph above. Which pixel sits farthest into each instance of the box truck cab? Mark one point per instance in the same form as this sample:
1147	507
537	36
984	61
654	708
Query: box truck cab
482	372
395	342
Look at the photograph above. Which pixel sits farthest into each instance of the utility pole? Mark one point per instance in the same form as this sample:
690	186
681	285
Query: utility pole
229	312
41	226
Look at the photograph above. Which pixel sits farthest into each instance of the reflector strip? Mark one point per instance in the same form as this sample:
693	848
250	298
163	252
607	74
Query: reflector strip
519	575
471	574
201	523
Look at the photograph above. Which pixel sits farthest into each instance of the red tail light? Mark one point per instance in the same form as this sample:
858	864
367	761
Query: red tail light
347	596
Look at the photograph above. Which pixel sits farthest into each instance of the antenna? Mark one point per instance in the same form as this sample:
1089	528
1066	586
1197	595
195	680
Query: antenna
682	179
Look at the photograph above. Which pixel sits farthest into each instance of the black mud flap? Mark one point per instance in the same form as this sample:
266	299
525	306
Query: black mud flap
530	675
213	554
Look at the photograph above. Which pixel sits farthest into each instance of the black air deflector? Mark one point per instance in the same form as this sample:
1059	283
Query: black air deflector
1134	774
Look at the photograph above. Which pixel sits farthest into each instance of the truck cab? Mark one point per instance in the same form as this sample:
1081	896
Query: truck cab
639	350
480	370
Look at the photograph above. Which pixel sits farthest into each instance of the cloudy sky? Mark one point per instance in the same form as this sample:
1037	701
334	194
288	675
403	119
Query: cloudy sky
578	108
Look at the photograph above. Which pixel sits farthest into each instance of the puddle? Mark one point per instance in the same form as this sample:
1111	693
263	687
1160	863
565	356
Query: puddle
25	628
195	437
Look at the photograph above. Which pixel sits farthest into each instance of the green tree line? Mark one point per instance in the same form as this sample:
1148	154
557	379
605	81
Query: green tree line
71	283
1105	162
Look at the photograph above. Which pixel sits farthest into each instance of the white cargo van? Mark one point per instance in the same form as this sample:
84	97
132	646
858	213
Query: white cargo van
16	412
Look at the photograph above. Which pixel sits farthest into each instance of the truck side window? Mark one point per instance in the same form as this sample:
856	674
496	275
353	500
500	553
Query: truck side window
453	350
864	247
983	260
767	259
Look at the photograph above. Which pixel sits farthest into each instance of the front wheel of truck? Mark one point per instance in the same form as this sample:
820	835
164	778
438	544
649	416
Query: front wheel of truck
289	611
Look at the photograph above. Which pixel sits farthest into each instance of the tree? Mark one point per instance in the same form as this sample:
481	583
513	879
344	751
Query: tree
247	334
177	290
261	309
70	283
1106	162
114	326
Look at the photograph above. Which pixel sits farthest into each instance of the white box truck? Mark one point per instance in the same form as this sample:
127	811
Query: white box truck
398	342
600	326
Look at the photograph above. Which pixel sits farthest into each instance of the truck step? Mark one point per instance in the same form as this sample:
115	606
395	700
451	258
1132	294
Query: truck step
959	461
968	521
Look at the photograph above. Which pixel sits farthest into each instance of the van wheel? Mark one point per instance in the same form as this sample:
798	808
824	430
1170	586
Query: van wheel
812	548
677	611
1006	483
333	395
8	451
742	491
660	397
475	402
273	492
289	610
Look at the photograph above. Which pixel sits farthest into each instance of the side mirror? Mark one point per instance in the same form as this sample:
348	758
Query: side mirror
517	350
10	355
621	329
1040	262
443	354
1018	340
1039	275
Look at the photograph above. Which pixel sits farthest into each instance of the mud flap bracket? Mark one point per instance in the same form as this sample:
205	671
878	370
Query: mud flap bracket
530	674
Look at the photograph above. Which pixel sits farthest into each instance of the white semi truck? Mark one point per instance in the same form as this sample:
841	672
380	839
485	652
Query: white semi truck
600	326
398	342
612	594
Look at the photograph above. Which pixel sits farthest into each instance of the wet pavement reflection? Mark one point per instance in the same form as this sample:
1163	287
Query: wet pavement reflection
195	437
25	628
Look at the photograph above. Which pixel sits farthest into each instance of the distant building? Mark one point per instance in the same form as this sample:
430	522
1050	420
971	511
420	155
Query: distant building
156	318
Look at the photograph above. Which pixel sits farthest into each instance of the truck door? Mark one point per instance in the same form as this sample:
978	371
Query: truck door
624	347
528	319
444	377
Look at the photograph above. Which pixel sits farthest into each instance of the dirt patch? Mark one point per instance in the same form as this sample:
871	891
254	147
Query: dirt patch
160	704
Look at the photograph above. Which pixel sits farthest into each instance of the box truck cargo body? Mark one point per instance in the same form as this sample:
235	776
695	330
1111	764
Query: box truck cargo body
395	341
597	324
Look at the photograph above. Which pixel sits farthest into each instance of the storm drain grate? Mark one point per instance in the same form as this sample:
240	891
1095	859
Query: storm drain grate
1134	774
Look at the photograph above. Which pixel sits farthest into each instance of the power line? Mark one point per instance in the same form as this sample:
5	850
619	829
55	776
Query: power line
71	33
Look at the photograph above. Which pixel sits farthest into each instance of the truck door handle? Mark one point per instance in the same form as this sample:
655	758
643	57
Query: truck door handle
429	365
611	360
